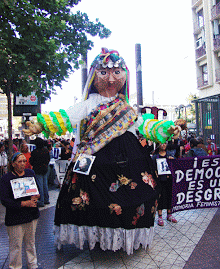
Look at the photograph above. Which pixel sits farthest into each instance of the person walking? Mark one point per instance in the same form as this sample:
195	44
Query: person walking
39	160
3	160
165	180
24	149
21	214
66	151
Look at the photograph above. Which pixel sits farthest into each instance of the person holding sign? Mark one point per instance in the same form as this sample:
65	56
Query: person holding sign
114	201
19	194
160	158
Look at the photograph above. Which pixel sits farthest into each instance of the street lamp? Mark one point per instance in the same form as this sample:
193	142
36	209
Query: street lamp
179	109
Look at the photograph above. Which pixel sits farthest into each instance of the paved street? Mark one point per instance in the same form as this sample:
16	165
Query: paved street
194	242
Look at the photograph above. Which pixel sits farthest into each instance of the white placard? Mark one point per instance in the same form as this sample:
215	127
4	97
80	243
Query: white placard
23	187
83	164
61	167
162	166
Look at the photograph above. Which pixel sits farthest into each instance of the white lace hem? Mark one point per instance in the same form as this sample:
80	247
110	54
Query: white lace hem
109	238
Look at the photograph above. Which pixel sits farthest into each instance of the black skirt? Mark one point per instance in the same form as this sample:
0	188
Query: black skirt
119	192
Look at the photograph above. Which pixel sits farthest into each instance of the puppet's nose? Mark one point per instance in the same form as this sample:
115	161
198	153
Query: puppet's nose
111	78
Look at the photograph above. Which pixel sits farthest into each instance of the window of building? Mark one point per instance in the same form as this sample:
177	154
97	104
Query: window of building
199	42
205	73
200	18
215	2
216	28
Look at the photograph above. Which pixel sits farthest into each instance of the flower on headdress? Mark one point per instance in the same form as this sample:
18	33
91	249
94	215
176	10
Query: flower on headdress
109	58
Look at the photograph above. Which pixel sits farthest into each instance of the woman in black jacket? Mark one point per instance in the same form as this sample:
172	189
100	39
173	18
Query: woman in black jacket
21	213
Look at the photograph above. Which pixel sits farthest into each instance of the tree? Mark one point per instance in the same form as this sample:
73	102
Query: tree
192	111
41	43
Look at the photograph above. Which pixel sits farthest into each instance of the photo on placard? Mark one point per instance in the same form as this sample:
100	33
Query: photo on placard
83	164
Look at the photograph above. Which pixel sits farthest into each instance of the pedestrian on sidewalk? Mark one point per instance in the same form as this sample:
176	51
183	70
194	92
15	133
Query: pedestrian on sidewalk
211	147
40	159
25	150
165	180
3	160
21	215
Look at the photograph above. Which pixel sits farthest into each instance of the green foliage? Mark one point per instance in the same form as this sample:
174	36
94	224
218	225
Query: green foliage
41	43
191	117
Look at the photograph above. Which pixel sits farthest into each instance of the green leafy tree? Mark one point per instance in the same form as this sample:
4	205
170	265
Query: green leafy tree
40	45
191	116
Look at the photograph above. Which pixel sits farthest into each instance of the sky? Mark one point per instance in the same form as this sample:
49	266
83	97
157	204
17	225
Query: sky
164	29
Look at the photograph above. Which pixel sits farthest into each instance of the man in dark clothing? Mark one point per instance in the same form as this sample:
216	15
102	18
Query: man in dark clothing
195	151
201	144
40	159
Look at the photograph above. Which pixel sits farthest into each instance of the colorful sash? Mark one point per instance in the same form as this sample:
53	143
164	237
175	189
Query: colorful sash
105	123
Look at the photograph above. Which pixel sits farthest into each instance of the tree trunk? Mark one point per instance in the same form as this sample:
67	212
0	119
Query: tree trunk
10	149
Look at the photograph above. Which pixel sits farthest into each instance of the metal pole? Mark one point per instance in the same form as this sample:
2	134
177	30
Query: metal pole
84	71
218	140
197	118
139	77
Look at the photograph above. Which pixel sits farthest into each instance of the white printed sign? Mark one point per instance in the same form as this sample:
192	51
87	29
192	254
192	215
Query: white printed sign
25	186
60	167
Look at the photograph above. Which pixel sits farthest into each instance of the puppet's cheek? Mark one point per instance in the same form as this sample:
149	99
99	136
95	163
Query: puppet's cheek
100	84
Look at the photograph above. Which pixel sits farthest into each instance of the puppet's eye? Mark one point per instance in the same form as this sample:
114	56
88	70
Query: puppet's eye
103	73
117	72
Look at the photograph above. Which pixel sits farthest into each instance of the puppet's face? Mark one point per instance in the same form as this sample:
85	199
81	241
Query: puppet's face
109	81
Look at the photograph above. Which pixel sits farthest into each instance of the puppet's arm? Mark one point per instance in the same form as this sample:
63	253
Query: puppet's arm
50	124
158	131
58	122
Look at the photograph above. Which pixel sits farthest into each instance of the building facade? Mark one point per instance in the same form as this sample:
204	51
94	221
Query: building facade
206	31
16	121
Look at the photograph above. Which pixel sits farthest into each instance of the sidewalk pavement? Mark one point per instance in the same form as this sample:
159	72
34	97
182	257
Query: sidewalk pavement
193	242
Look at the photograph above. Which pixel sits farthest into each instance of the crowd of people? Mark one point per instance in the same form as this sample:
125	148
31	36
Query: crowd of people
20	145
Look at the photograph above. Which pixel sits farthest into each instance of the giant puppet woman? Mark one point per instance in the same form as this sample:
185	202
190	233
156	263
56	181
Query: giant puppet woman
115	203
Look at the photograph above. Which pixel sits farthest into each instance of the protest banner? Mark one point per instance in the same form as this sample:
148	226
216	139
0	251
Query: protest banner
196	182
60	167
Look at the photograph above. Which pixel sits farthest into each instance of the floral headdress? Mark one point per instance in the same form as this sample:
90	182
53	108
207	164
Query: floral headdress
110	59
